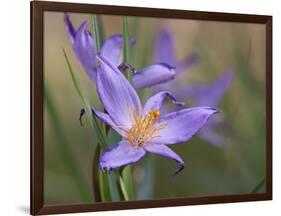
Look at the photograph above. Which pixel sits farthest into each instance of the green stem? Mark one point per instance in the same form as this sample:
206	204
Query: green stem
123	188
97	32
64	148
126	48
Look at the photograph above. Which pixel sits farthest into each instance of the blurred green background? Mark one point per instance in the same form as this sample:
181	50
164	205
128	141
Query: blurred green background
236	169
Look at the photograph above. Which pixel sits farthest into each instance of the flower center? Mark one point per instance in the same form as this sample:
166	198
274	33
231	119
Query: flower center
144	128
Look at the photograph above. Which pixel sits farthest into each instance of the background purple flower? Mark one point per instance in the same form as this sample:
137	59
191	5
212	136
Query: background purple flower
83	46
200	94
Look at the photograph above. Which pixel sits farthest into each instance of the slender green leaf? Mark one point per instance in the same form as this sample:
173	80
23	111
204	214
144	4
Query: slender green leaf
92	119
113	186
126	47
112	138
258	186
104	186
128	181
134	33
95	175
123	188
97	32
64	147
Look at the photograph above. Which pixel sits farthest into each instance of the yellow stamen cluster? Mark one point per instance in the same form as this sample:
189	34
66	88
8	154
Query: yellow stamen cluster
144	128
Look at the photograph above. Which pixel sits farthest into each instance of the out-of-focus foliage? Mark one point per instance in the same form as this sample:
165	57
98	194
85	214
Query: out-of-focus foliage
238	168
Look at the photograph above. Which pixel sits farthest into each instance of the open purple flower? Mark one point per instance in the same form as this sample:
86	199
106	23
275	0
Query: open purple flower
143	129
83	46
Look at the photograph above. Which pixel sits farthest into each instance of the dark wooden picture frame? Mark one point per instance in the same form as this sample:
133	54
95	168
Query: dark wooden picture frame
37	93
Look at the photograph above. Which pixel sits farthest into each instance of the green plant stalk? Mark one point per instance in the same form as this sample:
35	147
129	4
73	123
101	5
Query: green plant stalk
64	148
134	33
123	188
86	104
126	47
97	32
106	186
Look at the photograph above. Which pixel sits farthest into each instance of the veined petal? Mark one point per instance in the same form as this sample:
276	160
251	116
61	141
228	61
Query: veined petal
165	151
164	48
69	28
83	47
117	95
107	120
186	63
153	75
183	124
112	49
155	102
120	154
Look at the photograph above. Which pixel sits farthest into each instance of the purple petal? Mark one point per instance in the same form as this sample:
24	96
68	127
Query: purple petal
107	120
120	154
116	94
183	124
164	48
164	151
155	102
112	49
187	62
69	28
153	75
212	137
83	47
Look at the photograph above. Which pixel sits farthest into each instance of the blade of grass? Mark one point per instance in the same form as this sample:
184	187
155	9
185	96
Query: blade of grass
123	188
112	138
128	181
95	175
92	119
97	31
126	47
258	186
105	186
134	33
64	147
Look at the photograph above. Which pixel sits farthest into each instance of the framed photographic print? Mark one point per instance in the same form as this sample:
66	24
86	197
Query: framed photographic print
141	107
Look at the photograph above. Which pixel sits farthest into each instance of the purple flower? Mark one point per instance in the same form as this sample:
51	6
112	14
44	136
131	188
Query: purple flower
143	129
83	46
203	95
209	95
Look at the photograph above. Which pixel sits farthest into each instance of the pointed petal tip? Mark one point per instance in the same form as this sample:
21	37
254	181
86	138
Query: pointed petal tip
153	75
180	168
